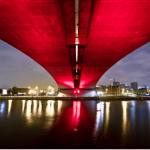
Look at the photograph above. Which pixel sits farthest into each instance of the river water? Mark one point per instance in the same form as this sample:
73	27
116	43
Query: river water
74	124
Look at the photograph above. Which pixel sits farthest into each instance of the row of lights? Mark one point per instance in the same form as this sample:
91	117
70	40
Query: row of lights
124	92
35	91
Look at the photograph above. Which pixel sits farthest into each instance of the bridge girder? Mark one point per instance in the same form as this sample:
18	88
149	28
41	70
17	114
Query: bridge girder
44	30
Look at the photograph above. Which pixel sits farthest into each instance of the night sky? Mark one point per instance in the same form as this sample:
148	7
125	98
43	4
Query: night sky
17	69
135	67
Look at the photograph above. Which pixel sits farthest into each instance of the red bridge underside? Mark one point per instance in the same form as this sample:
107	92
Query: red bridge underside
44	29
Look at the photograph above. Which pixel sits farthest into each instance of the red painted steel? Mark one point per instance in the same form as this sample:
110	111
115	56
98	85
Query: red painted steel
117	27
44	29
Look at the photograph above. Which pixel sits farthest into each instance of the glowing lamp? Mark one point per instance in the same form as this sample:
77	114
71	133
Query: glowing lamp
76	91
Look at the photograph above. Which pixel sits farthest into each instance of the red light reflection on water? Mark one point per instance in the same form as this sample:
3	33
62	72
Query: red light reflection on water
76	112
73	118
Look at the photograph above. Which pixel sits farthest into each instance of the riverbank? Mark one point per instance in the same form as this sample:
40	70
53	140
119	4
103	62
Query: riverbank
104	98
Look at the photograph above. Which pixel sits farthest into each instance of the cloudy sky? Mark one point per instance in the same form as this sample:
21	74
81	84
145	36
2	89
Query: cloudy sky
18	69
135	67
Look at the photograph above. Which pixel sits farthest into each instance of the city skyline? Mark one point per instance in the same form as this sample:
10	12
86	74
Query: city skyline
18	69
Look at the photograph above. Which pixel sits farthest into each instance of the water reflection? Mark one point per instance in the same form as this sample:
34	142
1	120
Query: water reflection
9	107
104	118
148	107
28	111
2	108
33	110
23	106
50	111
142	116
132	113
99	117
76	110
113	122
124	117
39	108
35	107
60	103
107	116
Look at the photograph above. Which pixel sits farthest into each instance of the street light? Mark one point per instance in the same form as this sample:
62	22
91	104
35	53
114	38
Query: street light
50	87
29	87
123	91
50	90
36	87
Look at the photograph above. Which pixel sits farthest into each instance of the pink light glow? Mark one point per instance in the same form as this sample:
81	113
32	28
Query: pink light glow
76	114
110	29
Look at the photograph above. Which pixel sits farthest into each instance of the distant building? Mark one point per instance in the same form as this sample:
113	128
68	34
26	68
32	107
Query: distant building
20	91
102	87
122	85
134	85
113	90
142	91
3	92
116	83
0	91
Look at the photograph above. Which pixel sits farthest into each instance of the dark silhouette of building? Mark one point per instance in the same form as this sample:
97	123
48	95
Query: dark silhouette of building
142	91
134	85
116	83
114	90
19	91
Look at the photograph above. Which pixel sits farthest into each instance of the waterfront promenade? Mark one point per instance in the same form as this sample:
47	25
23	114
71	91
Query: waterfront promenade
103	98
